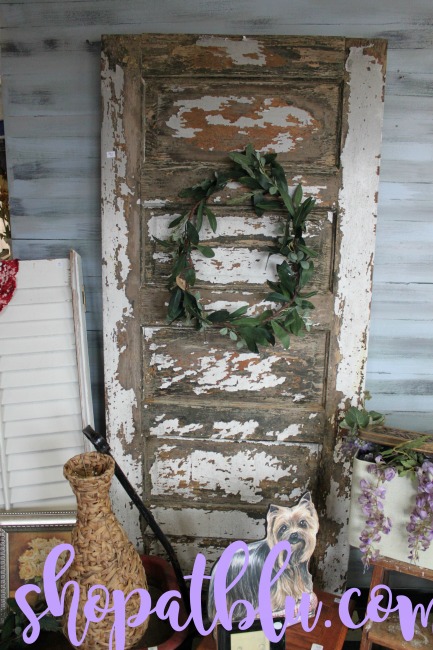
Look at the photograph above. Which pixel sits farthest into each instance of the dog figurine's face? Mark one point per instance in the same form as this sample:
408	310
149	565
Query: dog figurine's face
298	526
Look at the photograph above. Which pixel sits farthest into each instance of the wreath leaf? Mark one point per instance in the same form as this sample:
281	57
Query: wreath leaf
269	191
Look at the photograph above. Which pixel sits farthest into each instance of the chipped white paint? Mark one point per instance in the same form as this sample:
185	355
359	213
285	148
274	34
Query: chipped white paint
247	51
198	466
298	397
167	427
358	207
153	203
236	304
117	308
228	226
229	430
221	373
269	226
149	332
161	361
218	111
249	266
239	475
337	555
196	522
208	104
291	431
230	305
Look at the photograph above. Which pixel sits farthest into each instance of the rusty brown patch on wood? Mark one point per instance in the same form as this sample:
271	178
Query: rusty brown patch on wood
211	57
246	121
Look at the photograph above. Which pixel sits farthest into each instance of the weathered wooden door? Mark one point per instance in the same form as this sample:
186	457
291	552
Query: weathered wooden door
210	433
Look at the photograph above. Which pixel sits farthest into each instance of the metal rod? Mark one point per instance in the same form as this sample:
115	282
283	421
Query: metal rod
101	445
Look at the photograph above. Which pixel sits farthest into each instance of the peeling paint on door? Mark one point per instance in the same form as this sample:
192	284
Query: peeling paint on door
213	434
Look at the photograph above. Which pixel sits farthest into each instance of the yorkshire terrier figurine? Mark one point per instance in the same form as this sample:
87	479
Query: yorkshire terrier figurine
298	526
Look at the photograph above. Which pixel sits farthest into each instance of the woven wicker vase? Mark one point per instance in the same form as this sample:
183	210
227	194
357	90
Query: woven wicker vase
103	553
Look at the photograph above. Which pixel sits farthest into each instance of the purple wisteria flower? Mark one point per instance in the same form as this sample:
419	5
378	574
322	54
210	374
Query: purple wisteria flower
420	526
371	500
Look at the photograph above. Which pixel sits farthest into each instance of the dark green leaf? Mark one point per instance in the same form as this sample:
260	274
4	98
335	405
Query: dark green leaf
238	200
50	624
179	265
199	221
192	233
189	277
239	312
176	221
263	335
297	196
306	275
242	161
13	605
8	626
268	205
207	251
279	176
211	218
249	182
362	418
281	334
220	316
278	297
174	308
307	251
165	243
189	192
246	334
269	157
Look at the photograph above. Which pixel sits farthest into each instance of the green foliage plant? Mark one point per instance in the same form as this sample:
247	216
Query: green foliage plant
268	191
15	623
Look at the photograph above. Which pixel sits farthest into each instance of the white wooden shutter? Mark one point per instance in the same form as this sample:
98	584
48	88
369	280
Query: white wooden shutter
42	410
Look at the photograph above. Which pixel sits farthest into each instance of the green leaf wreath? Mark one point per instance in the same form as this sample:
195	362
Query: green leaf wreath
268	191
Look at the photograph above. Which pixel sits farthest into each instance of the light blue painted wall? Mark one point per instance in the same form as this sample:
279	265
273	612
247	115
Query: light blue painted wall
51	94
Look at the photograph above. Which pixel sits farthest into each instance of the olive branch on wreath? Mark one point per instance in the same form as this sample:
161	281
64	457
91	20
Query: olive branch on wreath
268	190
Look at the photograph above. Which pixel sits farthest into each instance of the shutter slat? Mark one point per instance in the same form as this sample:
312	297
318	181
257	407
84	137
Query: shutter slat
40	397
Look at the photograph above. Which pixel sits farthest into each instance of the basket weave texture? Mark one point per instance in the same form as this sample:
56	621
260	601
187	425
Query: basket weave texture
103	553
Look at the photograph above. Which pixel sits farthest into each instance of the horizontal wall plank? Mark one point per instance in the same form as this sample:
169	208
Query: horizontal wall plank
402	272
57	189
38	226
84	61
64	126
41	14
401	83
385	385
414	421
388	357
404	210
419	329
53	158
51	96
401	301
392	192
408	403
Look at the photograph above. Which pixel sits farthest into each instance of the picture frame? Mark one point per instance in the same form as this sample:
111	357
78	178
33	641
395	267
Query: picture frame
24	537
253	637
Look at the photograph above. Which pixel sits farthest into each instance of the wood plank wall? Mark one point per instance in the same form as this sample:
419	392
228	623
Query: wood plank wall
51	88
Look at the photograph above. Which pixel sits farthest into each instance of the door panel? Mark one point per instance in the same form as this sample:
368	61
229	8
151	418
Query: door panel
205	429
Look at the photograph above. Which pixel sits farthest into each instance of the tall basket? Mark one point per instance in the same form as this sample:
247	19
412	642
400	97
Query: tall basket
103	553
